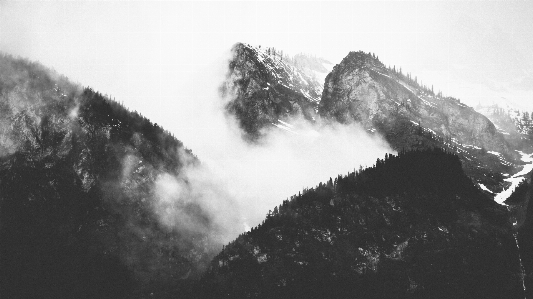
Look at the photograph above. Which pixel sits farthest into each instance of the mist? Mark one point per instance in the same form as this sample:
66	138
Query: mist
238	182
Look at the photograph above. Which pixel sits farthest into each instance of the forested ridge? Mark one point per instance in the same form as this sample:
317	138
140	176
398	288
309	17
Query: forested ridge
412	226
76	202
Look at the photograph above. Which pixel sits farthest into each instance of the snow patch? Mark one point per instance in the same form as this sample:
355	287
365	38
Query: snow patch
516	179
284	127
471	146
427	103
483	187
286	124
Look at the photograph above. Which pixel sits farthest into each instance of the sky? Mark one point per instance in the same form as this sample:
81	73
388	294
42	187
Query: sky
167	60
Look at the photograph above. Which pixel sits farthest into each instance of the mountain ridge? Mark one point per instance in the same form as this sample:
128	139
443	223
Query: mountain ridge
264	88
361	89
92	194
368	235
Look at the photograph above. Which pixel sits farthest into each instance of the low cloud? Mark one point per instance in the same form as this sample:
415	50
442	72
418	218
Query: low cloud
196	202
237	183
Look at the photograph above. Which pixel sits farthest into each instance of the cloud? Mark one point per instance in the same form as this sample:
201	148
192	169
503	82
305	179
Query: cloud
237	183
196	202
208	203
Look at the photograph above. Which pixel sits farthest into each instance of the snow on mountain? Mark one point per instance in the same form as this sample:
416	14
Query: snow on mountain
291	72
264	85
484	188
516	179
508	118
271	88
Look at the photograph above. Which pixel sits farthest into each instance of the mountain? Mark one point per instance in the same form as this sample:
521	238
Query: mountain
514	124
362	89
412	226
264	86
494	154
96	201
82	214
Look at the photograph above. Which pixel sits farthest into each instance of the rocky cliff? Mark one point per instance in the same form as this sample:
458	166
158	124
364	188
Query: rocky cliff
362	89
265	89
264	86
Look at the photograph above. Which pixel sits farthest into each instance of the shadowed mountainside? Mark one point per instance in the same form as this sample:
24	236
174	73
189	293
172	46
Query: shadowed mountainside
80	211
412	226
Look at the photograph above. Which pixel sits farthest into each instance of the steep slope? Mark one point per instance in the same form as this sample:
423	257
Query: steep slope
266	90
412	226
81	210
264	86
516	126
362	89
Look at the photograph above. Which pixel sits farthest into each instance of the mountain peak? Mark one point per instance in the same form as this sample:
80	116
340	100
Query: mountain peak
361	59
267	85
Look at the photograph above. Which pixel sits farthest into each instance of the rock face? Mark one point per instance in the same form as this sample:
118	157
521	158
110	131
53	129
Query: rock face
264	86
362	89
413	226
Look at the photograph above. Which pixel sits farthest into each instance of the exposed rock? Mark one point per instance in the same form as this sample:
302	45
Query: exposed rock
263	87
362	89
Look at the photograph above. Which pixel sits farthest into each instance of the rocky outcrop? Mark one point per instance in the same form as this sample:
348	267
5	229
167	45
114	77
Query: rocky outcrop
362	89
263	86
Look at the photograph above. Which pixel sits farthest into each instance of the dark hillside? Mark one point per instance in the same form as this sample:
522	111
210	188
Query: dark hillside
78	212
520	205
412	226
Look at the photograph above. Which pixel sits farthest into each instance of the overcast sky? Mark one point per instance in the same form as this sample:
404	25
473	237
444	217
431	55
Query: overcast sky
160	58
